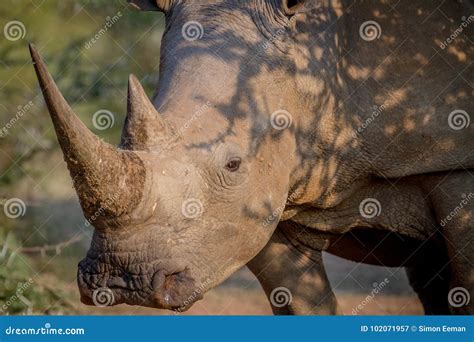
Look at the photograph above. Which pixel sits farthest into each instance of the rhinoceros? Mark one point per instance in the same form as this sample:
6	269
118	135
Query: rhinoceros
279	130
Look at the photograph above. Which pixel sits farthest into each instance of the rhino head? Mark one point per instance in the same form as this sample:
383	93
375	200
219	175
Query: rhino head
193	191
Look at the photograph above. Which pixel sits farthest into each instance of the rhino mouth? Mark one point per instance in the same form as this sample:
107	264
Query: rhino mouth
176	291
160	289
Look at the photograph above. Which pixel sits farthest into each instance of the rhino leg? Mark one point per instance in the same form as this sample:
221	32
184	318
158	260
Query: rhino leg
453	201
461	293
429	277
294	280
460	240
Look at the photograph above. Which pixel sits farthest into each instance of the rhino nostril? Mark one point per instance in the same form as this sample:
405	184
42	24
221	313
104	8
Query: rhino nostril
175	290
158	280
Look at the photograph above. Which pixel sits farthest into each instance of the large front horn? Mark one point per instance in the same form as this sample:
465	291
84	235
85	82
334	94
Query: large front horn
108	181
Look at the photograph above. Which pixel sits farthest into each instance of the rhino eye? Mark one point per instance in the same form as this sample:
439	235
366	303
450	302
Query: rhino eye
233	164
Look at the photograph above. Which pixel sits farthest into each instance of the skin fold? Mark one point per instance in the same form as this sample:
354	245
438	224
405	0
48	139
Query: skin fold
265	136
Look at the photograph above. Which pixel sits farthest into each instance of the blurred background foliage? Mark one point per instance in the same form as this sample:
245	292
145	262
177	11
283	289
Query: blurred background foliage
92	76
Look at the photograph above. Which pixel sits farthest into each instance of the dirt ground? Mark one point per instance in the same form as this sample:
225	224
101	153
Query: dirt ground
238	302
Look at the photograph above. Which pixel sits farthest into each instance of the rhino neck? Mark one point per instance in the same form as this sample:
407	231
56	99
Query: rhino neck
327	159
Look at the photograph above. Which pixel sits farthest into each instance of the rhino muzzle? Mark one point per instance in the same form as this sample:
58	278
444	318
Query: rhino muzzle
158	289
110	183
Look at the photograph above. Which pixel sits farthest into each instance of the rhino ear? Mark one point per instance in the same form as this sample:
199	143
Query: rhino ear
292	7
152	5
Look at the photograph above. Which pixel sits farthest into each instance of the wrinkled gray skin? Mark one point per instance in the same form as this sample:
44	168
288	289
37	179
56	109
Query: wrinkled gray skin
298	190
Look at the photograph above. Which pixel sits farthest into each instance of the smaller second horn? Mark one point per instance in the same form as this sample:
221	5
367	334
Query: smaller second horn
144	127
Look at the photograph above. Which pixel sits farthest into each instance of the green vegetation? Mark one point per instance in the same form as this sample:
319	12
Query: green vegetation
90	48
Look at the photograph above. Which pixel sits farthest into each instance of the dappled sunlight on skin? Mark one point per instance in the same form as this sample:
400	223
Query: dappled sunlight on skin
336	98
